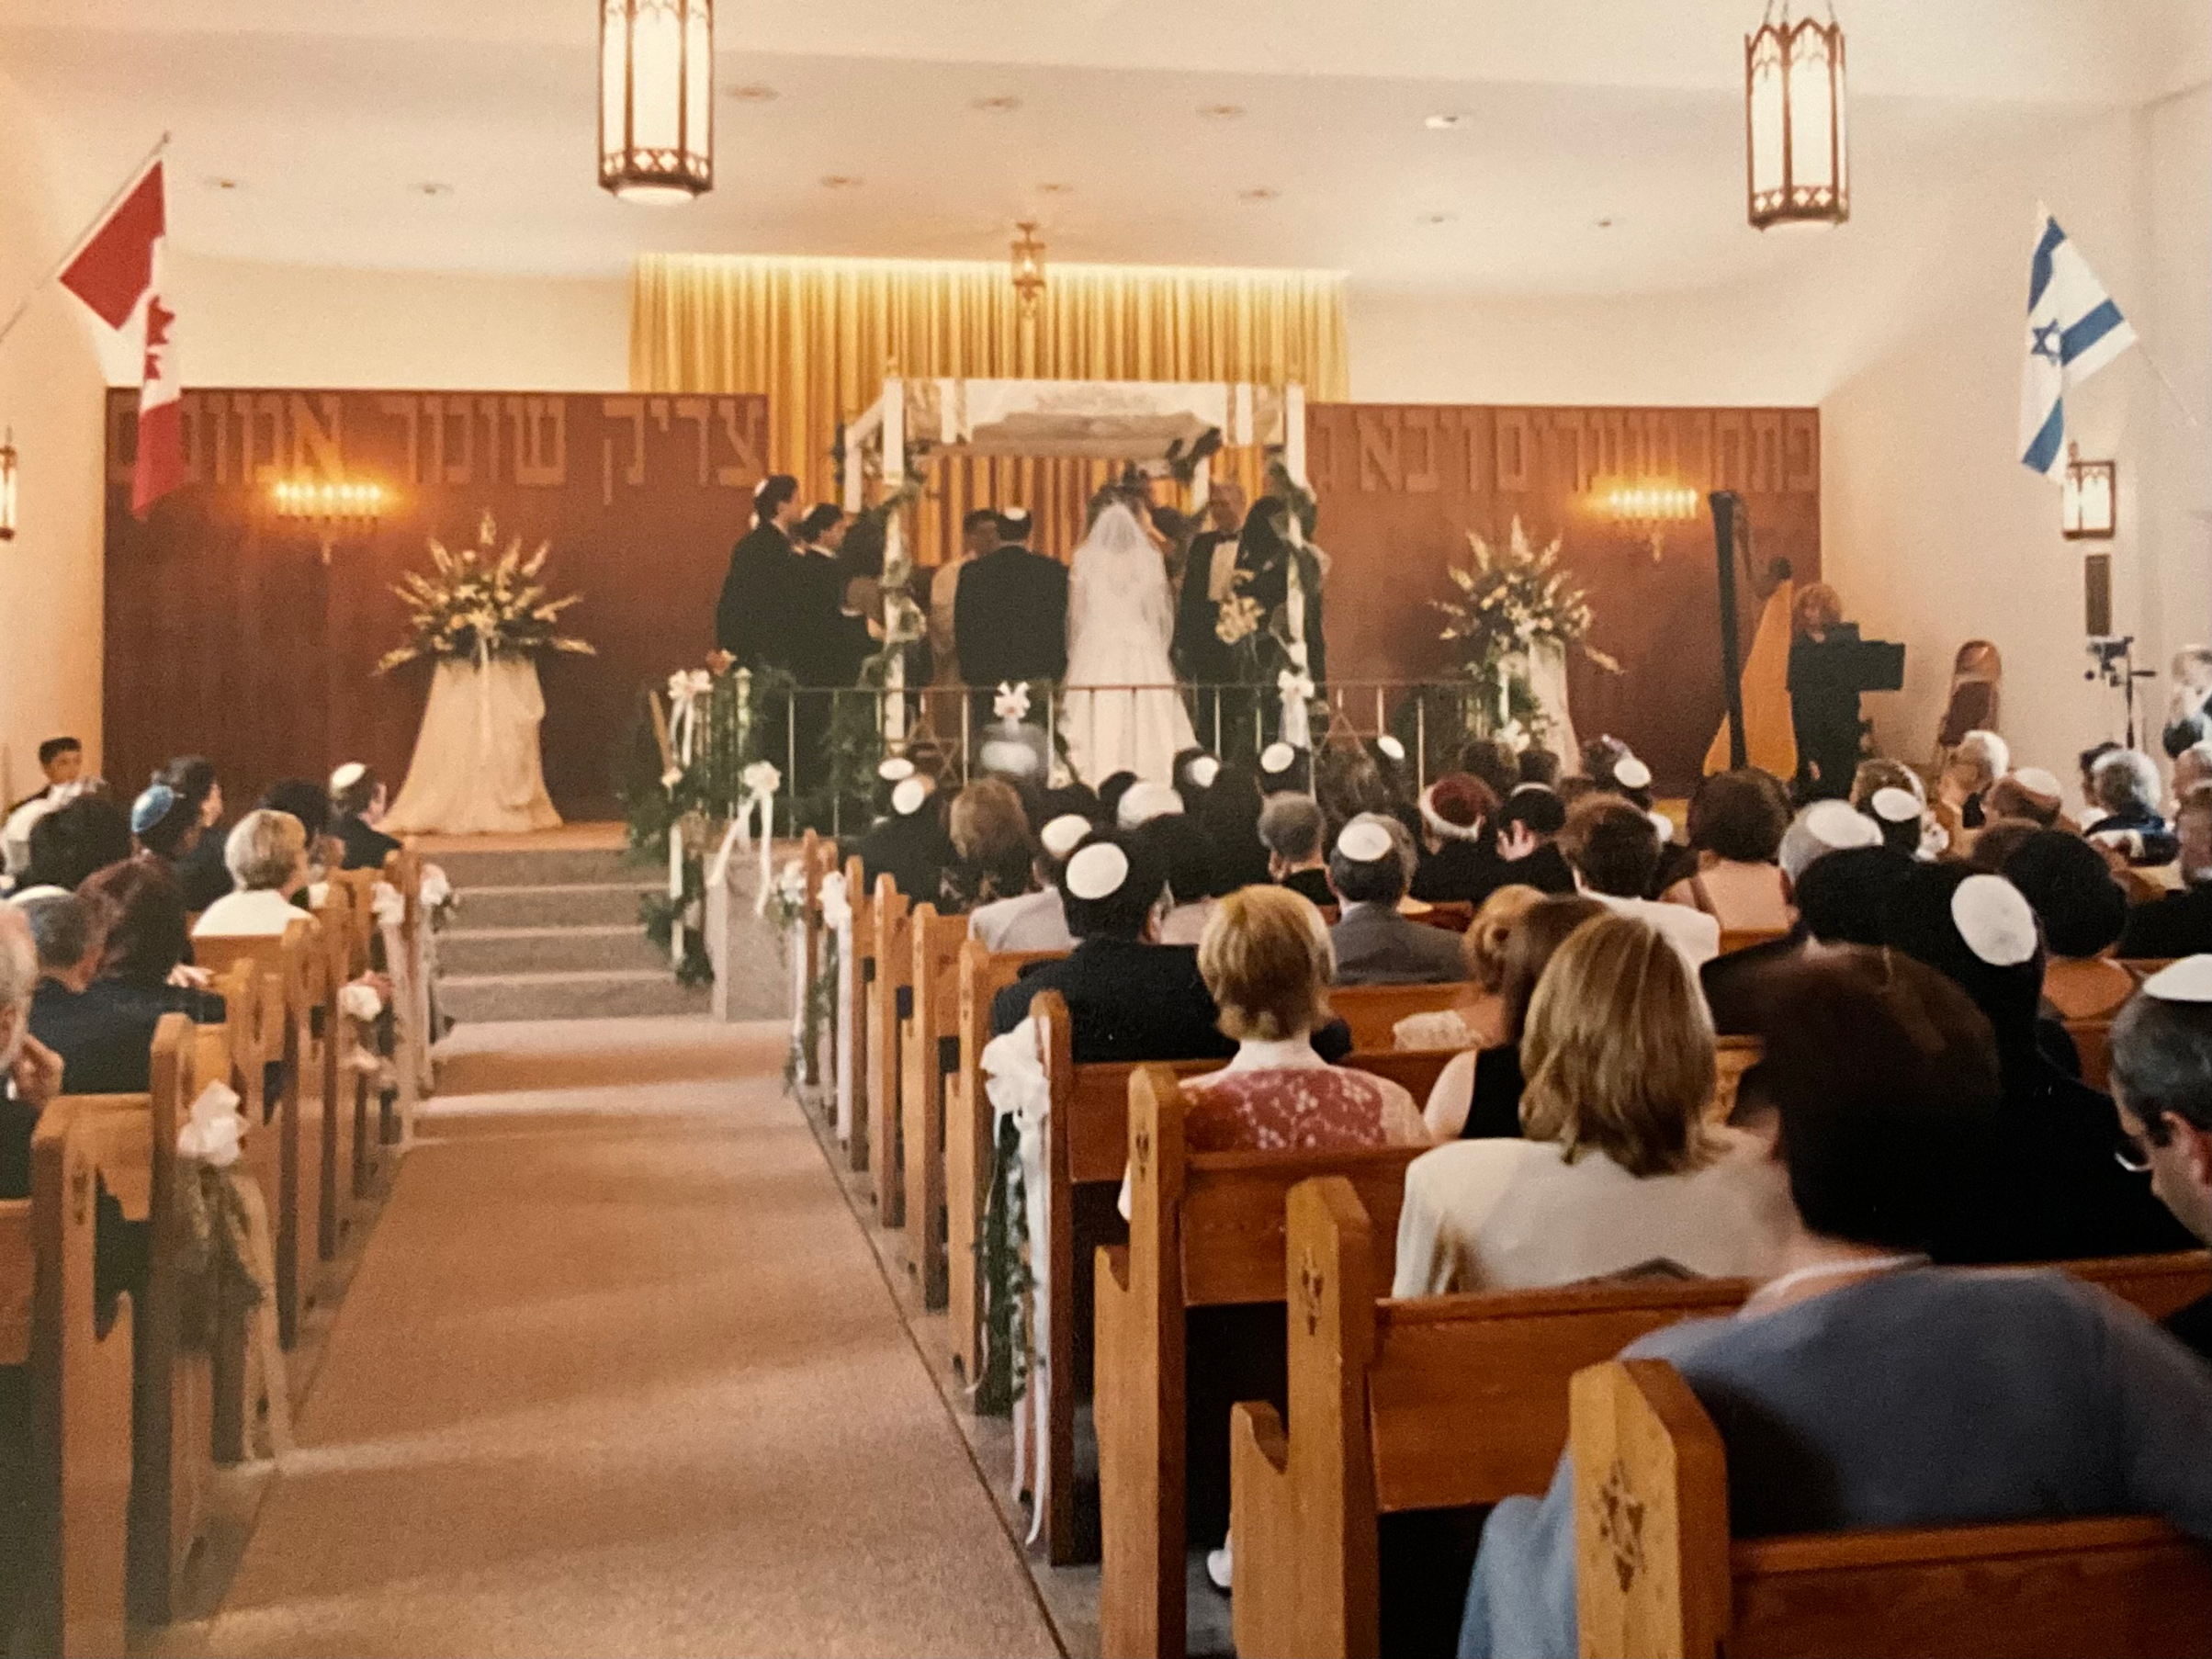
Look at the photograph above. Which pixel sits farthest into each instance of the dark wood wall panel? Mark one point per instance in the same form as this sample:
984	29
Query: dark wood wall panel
226	633
1401	485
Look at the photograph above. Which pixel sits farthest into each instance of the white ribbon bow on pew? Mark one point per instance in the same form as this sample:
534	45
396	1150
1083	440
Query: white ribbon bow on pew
688	692
837	905
1297	689
762	780
387	905
1014	1074
212	1133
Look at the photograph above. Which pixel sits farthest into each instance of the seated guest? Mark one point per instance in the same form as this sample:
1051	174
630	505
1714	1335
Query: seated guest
30	1073
1458	864
1860	1388
1186	858
2030	793
61	761
1478	1020
68	843
1282	768
1819	830
2082	910
2128	822
2181	923
202	867
1293	828
1880	774
1618	1167
1839	901
908	843
357	800
2044	1187
148	941
1610	764
1228	813
1978	762
1111	791
104	1033
267	856
2191	767
1615	852
310	803
1141	803
1525	837
1374	945
1191	774
1493	762
166	826
1478	1093
993	854
1736	820
2162	1082
1036	921
1539	766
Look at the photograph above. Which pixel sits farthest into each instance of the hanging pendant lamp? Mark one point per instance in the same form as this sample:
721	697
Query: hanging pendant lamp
656	99
1793	97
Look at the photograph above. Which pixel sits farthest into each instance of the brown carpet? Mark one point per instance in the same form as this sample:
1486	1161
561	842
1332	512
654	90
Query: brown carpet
618	1375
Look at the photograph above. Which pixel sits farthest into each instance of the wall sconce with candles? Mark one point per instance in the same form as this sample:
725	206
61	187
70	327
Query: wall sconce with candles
2089	498
331	509
7	486
1648	509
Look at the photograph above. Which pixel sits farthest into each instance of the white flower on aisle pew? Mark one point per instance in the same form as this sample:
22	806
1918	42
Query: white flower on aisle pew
437	894
212	1131
837	904
687	695
386	902
360	1001
1011	703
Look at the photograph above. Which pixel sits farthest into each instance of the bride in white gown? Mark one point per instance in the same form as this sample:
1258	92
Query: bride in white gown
1122	711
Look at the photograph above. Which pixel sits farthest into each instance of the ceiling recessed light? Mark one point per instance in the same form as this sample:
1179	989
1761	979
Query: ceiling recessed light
1056	190
1604	225
1436	219
222	184
1443	123
431	187
840	181
753	94
1258	193
1221	112
1005	103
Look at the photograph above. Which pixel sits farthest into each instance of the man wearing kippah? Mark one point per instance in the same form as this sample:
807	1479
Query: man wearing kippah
2162	1082
1009	615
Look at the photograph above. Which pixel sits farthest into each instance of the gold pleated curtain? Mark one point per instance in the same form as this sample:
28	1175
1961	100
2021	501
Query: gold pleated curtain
818	336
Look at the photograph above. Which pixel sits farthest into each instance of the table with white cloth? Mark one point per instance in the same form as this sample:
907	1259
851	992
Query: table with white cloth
477	769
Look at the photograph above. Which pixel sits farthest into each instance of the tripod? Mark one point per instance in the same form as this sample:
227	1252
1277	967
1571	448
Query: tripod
2112	659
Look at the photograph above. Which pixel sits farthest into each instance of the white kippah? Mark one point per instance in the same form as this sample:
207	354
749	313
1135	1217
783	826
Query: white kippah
906	799
1663	825
1204	771
1144	802
1391	746
1015	515
1364	841
1994	920
2188	980
347	775
1277	759
2037	781
1895	805
895	768
1098	871
1631	773
1064	833
1839	826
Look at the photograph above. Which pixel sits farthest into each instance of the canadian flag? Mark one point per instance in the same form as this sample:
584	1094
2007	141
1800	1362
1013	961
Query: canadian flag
118	273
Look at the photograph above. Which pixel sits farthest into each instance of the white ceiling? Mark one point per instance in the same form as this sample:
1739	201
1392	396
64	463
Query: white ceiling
327	114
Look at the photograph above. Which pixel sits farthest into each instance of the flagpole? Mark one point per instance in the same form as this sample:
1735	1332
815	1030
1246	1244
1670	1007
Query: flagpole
77	243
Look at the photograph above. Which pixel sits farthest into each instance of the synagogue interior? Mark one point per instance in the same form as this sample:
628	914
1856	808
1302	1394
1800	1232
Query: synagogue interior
1106	830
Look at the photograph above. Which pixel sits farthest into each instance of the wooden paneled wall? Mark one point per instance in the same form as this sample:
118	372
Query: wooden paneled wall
227	635
1401	485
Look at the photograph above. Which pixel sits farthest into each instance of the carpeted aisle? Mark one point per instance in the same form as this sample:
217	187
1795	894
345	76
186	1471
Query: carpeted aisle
618	1375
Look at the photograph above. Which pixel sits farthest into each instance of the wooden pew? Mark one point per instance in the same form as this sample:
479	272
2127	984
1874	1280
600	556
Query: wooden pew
1743	939
1452	915
411	974
894	968
74	1356
349	929
1086	1143
857	1036
1443	1403
1205	1230
970	1148
1373	1010
1677	1584
933	973
232	1053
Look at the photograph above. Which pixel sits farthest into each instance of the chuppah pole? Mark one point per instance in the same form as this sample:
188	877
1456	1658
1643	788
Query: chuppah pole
1727	506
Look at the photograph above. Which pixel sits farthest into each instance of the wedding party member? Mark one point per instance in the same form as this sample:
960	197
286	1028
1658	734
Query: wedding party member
1036	921
266	855
2129	823
1286	574
2043	1186
753	617
1009	614
358	799
992	849
1736	822
909	843
978	536
1369	868
1209	581
1478	1020
1122	711
2180	924
1615	852
1618	1166
2162	1082
2187	722
200	866
1859	1388
1458	862
1293	828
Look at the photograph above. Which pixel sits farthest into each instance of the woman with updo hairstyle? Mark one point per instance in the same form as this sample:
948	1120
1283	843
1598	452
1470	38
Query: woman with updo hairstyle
1618	1165
1478	1020
995	853
147	939
1736	822
201	869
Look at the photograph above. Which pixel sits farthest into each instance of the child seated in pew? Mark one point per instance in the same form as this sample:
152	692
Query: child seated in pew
1618	1168
2162	1082
1860	1387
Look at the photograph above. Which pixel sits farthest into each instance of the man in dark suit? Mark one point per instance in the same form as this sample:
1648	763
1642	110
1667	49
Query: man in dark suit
105	1045
909	843
1369	868
357	800
751	621
1208	578
1009	618
63	761
2181	923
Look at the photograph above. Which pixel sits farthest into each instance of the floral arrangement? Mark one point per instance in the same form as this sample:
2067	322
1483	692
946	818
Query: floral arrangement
1509	604
481	603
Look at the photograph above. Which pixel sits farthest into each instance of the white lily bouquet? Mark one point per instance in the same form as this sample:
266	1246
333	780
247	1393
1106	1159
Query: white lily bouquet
1511	602
483	605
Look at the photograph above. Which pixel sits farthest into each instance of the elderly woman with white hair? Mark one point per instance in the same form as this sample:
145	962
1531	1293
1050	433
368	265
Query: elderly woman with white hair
266	855
2127	786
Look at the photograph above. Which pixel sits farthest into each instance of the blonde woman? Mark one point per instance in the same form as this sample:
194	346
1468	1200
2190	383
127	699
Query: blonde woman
1479	1020
1618	1168
266	855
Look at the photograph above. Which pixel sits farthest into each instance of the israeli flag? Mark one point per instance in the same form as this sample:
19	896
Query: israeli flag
2073	330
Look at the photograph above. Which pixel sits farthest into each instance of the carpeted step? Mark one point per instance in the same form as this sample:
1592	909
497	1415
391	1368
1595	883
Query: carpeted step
560	905
549	949
470	998
570	866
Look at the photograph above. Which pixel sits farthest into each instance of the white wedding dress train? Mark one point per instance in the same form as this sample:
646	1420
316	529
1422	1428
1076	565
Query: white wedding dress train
1120	710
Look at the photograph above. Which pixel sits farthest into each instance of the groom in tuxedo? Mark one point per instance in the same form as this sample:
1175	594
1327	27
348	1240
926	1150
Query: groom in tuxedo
1009	618
1208	578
